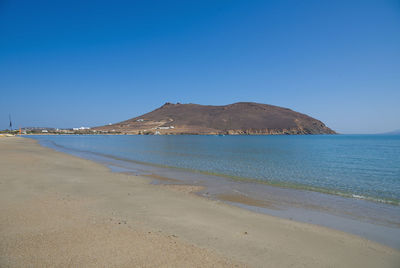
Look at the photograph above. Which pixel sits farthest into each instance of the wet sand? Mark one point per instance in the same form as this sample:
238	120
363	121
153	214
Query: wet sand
245	200
57	210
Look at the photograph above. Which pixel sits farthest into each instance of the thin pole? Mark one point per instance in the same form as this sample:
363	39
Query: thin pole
9	116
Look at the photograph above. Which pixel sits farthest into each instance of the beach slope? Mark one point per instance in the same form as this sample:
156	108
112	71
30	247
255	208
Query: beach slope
58	210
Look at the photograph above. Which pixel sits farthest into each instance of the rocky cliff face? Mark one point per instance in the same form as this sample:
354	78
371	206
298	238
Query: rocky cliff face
243	118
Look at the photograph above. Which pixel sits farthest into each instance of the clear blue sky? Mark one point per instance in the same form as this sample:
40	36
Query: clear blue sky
87	63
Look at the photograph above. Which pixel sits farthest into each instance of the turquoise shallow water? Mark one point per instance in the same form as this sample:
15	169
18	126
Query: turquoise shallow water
361	166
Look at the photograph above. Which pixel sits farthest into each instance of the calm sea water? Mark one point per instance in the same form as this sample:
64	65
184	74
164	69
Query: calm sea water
361	166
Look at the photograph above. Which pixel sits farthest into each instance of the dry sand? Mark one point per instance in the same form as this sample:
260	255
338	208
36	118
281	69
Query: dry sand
57	210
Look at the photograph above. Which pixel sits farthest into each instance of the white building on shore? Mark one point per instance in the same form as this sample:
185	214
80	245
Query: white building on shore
80	128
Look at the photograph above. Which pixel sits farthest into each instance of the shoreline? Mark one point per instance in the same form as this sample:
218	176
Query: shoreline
203	229
272	183
376	221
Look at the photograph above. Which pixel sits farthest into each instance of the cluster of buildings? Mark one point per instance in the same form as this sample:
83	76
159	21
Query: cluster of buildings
45	130
80	128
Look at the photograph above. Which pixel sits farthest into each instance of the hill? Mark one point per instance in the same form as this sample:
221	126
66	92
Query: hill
238	118
394	132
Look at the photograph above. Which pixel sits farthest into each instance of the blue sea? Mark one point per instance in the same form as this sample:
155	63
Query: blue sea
353	180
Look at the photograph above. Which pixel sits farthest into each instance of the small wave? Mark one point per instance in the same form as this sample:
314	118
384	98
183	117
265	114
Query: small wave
374	199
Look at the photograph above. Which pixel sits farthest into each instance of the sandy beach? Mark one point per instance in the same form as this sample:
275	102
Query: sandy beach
57	210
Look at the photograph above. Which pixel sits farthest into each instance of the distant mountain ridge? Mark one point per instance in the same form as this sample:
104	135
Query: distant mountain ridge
394	132
242	118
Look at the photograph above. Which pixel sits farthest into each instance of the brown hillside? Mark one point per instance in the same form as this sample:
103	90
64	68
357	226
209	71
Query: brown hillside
237	118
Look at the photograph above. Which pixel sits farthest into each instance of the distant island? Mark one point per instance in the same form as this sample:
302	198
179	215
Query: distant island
394	132
242	118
